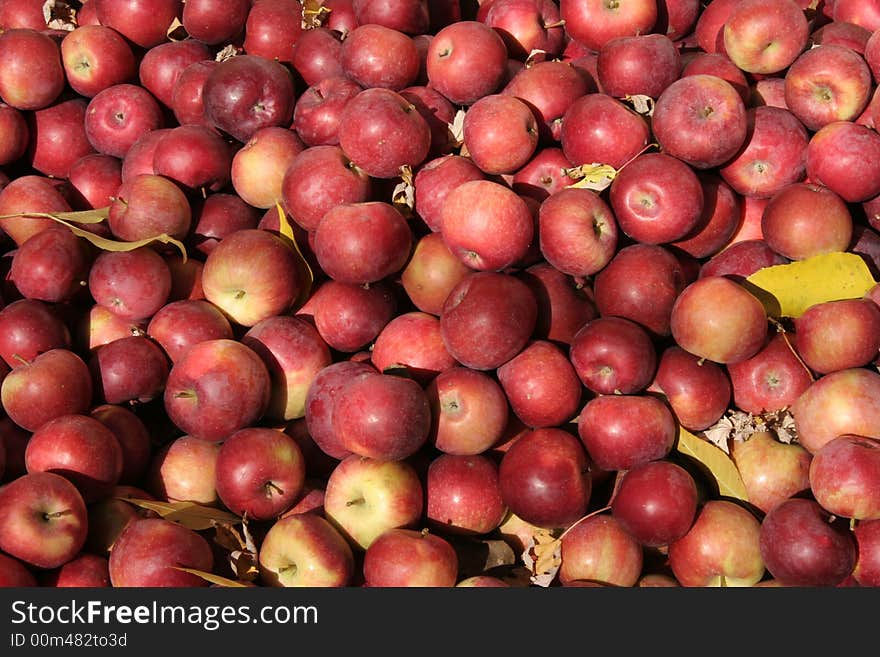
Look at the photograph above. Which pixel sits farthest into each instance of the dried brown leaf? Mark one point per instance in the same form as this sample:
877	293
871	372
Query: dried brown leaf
59	15
456	129
217	580
189	514
642	104
227	52
403	197
543	557
314	14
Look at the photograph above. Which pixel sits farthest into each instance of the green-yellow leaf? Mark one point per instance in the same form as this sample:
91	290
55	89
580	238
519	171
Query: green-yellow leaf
718	464
286	230
189	514
81	216
593	176
213	579
788	290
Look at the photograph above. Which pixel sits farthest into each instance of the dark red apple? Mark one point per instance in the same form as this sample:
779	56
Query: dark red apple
698	391
597	128
464	494
132	284
466	60
838	335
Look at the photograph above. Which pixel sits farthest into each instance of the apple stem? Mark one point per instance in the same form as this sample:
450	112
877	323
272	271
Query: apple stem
580	520
239	294
54	516
359	500
20	359
559	23
722	581
184	394
853	523
272	487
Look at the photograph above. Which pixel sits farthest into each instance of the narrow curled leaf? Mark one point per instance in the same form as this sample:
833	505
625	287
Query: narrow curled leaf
456	129
543	557
189	514
286	231
403	197
212	578
95	216
593	176
789	290
718	464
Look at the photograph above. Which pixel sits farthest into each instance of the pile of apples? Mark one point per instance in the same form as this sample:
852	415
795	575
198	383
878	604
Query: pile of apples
424	292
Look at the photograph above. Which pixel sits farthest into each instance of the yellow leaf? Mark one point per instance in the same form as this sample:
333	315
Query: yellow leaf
788	290
719	465
593	176
189	514
286	230
214	579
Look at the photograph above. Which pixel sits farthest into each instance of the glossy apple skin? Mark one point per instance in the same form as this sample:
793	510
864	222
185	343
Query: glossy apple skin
406	557
464	494
51	266
486	225
149	549
130	369
83	571
613	355
161	66
252	275
58	137
149	205
216	388
752	25
565	304
45	522
316	53
451	56
722	548
844	146
16	134
594	23
867	568
132	435
178	325
772	471
599	128
29	327
431	273
116	117
375	55
258	168
132	284
29	193
271	28
185	470
838	335
803	547
844	476
700	119
143	23
436	179
32	73
215	21
742	259
248	92
13	573
79	448
770	380
656	502
55	383
718	319
364	498
305	550
698	391
386	418
838	403
545	478
187	96
719	65
477	320
640	283
601	551
623	431
412	341
260	472
500	133
195	157
469	411
321	399
348	316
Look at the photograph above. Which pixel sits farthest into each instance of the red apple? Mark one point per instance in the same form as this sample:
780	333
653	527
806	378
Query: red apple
839	148
844	476
466	60
412	341
406	557
185	470
215	21
271	28
613	355
565	304
597	128
132	435
116	117
765	37
644	64
144	22
83	571
32	74
593	23
132	284
51	266
464	494
772	471
599	550
837	335
374	55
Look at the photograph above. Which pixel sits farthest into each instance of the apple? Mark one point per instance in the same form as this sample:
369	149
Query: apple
593	23
161	66
466	60
29	327
218	216
431	273
32	73
178	325
802	545
600	550
116	117
838	335
597	128
722	548
184	470
613	355
866	14
305	550
412	343
130	369
16	134
477	323
482	581
25	194
464	494
640	283
866	570
700	119
195	157
543	175
132	284
765	37
84	571
187	96
644	64
698	391
546	478
718	319
13	573
526	26
45	522
719	65
741	259
98	325
406	557
260	473
132	435
772	471
316	53
150	551
57	382
215	21
94	179
251	275
844	474
839	148
500	133
565	304
51	266
375	55
364	498
271	28
143	23
348	316
216	388
139	157
623	431
57	137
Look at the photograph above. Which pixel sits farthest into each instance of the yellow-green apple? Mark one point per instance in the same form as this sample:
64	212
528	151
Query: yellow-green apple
641	283
802	544
294	353
600	550
541	385
827	83
700	119
722	548
845	477
623	431
150	552
381	416
252	274
260	473
365	497
841	402
216	388
765	37
545	478
44	523
55	383
772	471
838	335
79	448
718	319
698	391
464	494
305	550
469	411
185	470
406	557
